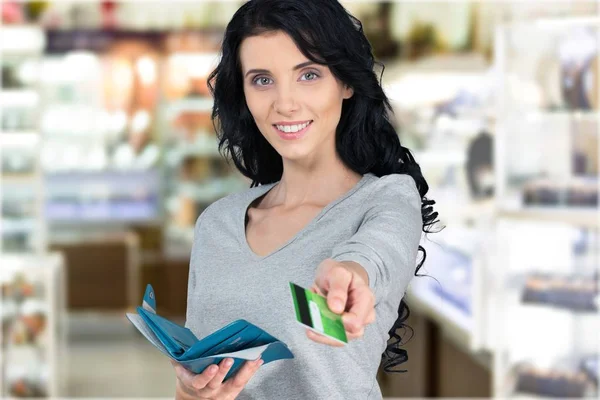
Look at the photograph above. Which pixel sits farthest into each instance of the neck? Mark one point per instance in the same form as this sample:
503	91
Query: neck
316	184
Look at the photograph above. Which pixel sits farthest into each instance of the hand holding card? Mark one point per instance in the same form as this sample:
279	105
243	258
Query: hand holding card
345	285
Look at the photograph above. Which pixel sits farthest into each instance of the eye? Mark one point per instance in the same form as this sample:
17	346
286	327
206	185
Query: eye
313	74
261	81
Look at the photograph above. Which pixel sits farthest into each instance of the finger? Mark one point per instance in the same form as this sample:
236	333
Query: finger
371	318
200	381
339	282
242	377
322	339
183	375
184	378
361	306
315	289
355	335
224	367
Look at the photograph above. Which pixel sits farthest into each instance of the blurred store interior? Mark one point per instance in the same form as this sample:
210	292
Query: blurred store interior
108	155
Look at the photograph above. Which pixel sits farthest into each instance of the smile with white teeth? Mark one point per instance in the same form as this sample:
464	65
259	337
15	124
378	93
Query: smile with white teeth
292	128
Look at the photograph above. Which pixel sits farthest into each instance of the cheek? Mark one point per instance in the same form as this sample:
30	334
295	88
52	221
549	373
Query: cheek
256	105
329	106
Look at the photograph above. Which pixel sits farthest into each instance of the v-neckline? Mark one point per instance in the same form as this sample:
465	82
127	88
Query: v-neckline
262	190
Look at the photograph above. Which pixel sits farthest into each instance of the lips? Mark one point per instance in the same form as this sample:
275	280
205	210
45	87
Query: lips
293	135
292	126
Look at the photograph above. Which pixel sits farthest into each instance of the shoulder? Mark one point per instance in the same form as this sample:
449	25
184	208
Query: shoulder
394	190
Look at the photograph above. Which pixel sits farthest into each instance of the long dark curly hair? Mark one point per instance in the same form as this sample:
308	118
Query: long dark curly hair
366	140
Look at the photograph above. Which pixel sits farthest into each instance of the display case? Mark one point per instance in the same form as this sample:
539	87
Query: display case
22	221
443	111
101	158
33	328
546	269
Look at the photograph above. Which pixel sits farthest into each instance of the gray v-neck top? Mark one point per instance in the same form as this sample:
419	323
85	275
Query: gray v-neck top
377	224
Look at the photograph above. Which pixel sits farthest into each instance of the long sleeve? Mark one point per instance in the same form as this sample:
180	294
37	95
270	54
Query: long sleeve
386	242
192	274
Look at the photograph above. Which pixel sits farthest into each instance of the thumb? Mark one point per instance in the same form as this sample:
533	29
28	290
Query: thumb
339	280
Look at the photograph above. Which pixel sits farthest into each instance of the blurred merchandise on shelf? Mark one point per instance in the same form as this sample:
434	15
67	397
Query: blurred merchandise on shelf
578	192
19	210
21	222
589	365
18	161
31	329
553	383
103	196
18	72
113	93
18	119
577	293
450	262
585	147
422	40
560	75
196	174
578	51
480	166
549	85
550	285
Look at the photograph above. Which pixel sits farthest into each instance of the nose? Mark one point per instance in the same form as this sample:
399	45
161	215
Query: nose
285	102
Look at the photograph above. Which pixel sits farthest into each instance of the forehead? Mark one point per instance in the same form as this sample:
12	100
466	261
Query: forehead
270	49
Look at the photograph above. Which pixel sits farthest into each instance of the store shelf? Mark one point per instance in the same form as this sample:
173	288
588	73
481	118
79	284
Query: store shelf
546	254
18	179
26	40
577	115
209	191
453	320
196	104
562	23
434	158
22	97
208	147
30	351
589	218
12	227
24	138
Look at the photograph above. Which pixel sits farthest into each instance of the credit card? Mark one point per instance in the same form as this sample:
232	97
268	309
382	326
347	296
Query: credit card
312	312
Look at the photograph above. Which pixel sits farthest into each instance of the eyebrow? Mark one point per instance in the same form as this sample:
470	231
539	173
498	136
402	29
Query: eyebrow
266	71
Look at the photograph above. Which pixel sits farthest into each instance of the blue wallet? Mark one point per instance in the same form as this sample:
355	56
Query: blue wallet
239	340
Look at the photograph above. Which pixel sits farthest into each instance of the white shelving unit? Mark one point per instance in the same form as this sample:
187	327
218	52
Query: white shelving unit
33	325
32	280
545	292
22	224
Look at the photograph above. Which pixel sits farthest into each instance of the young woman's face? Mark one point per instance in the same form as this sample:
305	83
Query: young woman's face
296	104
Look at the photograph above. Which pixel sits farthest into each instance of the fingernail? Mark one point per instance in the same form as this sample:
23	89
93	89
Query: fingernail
337	304
228	362
212	369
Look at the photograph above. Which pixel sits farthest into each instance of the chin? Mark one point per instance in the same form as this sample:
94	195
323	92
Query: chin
293	152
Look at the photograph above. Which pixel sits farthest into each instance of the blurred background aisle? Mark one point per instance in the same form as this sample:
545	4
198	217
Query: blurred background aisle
108	155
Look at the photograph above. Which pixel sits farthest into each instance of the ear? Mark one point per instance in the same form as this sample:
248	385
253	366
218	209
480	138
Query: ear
348	92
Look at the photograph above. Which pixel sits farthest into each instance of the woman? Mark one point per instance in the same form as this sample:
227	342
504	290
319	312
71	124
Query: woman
336	204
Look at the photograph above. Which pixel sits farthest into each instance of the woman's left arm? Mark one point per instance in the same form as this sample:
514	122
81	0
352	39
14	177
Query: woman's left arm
379	257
